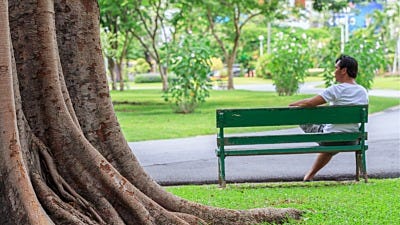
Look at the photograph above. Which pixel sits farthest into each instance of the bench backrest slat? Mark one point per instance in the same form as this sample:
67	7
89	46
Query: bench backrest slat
291	116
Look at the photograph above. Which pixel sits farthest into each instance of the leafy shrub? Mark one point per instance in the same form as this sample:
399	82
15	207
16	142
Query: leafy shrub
290	61
190	61
370	56
141	66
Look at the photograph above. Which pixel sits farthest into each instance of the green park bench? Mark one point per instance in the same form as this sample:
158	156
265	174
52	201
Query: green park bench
246	145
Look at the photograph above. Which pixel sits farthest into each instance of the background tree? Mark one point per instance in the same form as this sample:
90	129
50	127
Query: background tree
63	158
226	20
106	39
330	5
150	29
115	19
115	51
386	24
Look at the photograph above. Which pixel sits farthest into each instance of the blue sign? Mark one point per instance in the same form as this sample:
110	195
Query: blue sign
360	16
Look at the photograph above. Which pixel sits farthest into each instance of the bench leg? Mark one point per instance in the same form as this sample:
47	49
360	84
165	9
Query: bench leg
221	171
364	166
358	165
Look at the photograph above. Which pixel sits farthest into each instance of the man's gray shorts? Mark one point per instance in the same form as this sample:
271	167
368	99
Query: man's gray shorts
319	128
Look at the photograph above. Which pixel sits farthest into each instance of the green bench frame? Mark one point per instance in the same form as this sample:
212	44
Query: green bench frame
239	145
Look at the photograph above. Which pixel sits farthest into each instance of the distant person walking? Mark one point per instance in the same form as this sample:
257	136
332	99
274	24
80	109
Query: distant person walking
346	92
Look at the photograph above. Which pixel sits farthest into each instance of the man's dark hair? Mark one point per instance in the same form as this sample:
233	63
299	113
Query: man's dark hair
350	63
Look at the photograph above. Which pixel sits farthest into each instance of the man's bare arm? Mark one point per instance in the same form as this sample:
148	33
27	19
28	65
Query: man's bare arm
309	102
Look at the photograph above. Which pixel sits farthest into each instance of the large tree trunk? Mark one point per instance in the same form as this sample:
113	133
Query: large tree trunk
63	158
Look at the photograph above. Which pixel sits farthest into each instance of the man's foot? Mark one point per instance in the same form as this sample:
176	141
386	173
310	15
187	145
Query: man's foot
308	177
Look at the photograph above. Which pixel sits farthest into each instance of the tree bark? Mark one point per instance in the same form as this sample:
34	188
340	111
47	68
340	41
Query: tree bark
64	159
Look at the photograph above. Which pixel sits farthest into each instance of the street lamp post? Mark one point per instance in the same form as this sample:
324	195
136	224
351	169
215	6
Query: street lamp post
344	29
269	38
261	38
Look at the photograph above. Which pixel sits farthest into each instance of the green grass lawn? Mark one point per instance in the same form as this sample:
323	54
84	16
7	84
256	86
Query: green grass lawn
387	82
373	203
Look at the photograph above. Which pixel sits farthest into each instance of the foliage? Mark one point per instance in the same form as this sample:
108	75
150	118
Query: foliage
370	56
249	52
106	39
371	46
141	66
147	23
226	20
329	53
190	61
117	36
262	66
385	24
331	5
245	60
216	64
367	50
332	203
289	62
319	38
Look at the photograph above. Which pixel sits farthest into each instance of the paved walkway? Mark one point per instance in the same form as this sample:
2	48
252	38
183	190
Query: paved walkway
193	161
311	88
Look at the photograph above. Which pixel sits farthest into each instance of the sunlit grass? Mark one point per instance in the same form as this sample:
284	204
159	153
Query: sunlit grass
387	82
330	203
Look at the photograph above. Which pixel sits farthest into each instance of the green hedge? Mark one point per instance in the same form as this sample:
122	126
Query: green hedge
151	78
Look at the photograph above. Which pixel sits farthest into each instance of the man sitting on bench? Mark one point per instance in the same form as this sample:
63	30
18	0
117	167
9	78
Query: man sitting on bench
346	92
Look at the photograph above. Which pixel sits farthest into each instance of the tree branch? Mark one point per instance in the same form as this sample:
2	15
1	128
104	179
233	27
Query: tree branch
214	33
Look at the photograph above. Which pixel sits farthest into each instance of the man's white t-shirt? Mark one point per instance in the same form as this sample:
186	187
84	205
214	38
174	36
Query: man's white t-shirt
344	94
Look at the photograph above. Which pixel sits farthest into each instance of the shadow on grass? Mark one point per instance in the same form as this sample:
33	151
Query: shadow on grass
292	184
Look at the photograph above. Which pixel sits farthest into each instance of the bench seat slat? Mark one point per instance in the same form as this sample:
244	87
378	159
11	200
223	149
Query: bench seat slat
293	138
298	150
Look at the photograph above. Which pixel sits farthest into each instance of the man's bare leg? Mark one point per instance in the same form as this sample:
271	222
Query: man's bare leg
321	160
